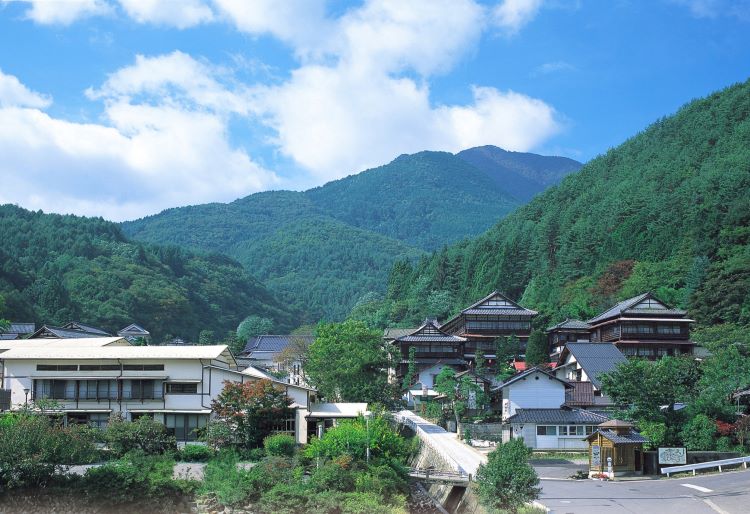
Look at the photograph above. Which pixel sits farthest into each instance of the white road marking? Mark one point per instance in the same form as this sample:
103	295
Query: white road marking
713	506
698	488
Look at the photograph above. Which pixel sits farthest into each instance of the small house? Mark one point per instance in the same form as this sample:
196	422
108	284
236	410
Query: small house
615	442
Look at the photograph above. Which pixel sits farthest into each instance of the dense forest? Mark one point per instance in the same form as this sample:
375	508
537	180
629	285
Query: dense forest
55	269
325	249
667	211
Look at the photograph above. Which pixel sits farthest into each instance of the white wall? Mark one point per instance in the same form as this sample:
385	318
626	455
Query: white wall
536	391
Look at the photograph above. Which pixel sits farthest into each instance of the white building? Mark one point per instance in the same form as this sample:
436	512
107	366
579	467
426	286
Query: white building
89	379
582	364
534	409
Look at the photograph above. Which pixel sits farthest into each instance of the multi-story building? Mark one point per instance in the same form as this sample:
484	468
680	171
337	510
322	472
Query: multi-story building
87	380
568	331
582	365
644	326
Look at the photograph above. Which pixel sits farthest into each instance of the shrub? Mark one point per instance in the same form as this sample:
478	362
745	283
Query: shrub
284	499
332	477
507	481
33	449
196	453
384	481
145	435
223	480
280	445
255	455
698	433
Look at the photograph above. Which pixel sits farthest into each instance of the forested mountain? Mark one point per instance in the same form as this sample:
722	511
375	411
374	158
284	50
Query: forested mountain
55	269
323	249
523	175
667	211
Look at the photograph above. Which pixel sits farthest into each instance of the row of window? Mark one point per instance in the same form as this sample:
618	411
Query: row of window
109	389
99	367
673	329
498	325
581	430
435	348
649	351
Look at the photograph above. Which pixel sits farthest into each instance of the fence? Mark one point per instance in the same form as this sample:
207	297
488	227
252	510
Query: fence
707	465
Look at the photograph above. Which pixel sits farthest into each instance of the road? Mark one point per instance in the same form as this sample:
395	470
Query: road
725	493
466	458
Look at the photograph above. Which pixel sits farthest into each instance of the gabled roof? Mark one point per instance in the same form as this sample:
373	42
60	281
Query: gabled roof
134	329
86	342
275	343
20	328
570	324
631	306
498	303
75	325
395	333
554	416
60	333
594	358
528	373
631	437
429	331
473	374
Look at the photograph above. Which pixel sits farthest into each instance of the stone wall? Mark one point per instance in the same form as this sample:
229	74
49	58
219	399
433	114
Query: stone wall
486	431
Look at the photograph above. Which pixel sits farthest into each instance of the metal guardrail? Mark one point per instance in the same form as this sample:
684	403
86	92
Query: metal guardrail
435	475
707	465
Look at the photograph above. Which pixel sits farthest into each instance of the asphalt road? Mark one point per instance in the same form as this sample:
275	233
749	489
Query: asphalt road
725	493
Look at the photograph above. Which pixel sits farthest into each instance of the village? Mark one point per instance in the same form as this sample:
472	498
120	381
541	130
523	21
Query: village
463	387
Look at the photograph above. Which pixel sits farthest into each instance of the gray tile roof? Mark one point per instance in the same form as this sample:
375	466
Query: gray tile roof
21	328
570	324
395	333
630	438
555	416
626	306
62	333
274	343
75	325
501	311
596	358
429	331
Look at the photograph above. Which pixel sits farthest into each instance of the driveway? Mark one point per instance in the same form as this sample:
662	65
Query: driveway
558	468
725	493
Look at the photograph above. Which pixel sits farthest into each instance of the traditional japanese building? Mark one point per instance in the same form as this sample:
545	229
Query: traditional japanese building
71	330
134	332
433	350
491	317
568	331
644	326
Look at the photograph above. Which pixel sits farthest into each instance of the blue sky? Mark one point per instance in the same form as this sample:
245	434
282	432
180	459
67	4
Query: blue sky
121	108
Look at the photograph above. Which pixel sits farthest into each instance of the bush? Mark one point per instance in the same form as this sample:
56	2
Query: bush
698	433
223	480
384	481
284	499
144	435
33	449
332	477
255	455
280	445
196	453
507	481
133	480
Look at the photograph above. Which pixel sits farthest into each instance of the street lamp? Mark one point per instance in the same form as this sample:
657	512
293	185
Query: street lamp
26	391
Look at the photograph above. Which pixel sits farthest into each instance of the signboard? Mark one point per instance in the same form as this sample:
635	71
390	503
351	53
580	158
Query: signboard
672	456
596	455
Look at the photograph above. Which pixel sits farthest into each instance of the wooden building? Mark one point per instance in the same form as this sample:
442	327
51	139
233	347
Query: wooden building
644	326
568	331
618	441
483	322
433	349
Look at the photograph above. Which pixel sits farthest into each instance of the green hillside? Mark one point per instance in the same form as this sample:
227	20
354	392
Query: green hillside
54	269
667	211
324	249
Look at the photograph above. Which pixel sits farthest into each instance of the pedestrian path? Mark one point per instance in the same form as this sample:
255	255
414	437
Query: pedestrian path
447	444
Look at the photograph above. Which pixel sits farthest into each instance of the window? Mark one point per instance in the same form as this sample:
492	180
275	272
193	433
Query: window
498	325
546	430
185	427
97	390
98	420
54	389
99	367
285	426
143	367
56	367
141	390
668	329
590	429
650	303
562	430
182	388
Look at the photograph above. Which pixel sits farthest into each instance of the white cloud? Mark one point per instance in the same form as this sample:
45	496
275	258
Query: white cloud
15	94
63	12
552	67
514	14
739	9
373	102
147	155
181	14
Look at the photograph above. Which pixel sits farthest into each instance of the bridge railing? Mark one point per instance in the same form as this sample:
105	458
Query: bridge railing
706	465
439	475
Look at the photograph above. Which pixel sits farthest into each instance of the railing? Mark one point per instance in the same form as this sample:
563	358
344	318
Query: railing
707	465
434	475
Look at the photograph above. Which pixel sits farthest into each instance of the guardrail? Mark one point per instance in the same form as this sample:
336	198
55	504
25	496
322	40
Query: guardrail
706	465
434	475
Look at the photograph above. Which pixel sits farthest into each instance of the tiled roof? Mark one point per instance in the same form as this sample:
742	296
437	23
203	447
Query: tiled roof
595	358
501	312
274	343
429	331
62	333
554	416
395	333
119	352
21	328
75	325
629	438
570	324
133	329
527	373
670	312
627	306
